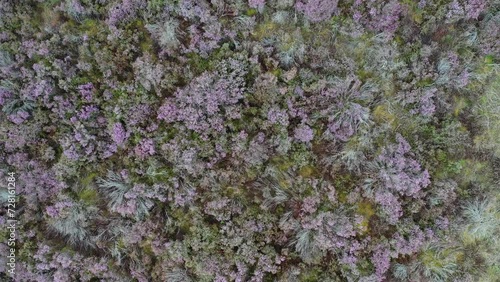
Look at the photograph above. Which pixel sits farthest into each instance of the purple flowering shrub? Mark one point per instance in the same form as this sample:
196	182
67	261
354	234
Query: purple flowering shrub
378	15
308	140
317	10
208	101
400	176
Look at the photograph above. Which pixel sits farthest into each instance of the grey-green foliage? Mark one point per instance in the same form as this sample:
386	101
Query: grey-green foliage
437	262
115	188
292	48
280	188
75	10
473	254
281	17
353	158
274	195
74	224
16	103
5	58
165	33
178	275
117	252
4	196
400	271
142	207
305	245
483	222
488	112
291	275
480	244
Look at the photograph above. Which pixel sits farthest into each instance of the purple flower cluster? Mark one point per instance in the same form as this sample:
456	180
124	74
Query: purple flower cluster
257	4
317	10
199	106
201	140
304	133
381	260
469	9
86	91
400	176
145	148
410	245
19	117
118	134
400	173
278	116
124	11
427	107
348	120
55	210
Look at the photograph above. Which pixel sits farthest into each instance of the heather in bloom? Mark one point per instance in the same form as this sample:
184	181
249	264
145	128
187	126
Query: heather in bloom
118	134
304	133
19	117
317	10
401	173
277	116
257	4
199	106
86	91
125	10
470	9
250	140
427	107
144	148
381	261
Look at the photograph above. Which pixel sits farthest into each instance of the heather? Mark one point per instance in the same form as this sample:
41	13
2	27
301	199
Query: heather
212	140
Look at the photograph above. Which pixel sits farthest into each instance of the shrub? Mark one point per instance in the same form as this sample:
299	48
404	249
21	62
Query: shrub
317	10
73	222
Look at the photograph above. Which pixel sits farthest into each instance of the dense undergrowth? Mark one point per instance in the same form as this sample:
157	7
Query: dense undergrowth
195	140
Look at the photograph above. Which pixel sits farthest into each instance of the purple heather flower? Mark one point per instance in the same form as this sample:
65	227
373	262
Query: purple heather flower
442	223
199	105
304	133
463	79
390	206
310	204
414	242
124	11
427	107
4	95
52	211
87	111
400	173
317	10
474	8
299	91
470	9
70	153
257	4
110	150
381	260
86	91
275	115
19	117
341	129
119	135
356	16
145	148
